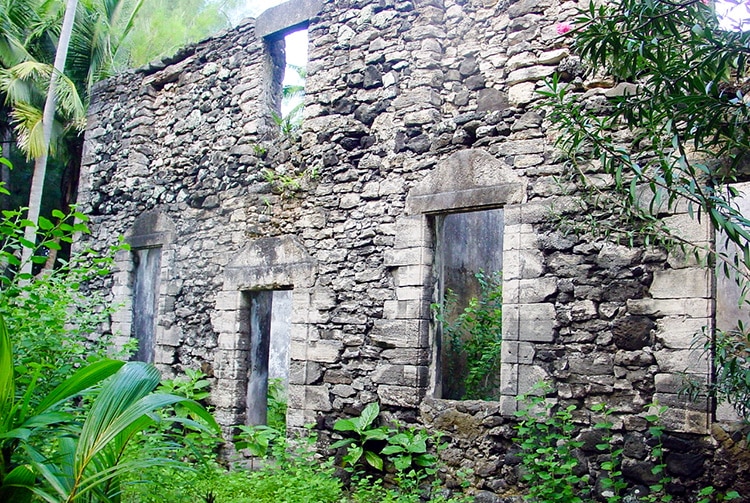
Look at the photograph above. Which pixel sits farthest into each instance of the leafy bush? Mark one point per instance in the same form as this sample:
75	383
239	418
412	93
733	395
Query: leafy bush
474	337
552	471
49	317
677	141
65	456
547	452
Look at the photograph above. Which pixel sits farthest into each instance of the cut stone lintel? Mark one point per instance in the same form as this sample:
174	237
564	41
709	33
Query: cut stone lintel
286	18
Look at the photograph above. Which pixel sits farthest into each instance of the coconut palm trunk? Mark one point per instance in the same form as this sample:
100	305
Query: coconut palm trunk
40	163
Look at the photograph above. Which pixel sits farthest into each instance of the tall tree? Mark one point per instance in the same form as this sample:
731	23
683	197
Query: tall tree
48	117
30	34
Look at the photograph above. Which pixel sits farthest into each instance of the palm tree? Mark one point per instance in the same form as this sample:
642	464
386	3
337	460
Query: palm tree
48	117
27	32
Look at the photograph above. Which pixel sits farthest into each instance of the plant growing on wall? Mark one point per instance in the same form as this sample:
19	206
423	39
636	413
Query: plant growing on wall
474	336
676	140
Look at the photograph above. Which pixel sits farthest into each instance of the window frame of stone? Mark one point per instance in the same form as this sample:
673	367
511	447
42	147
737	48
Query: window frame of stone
469	180
150	230
272	26
267	264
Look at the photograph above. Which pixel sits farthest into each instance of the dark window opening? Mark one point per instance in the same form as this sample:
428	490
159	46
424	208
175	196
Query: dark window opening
147	271
266	323
469	265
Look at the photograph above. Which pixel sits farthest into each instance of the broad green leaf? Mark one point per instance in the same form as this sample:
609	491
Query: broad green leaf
374	460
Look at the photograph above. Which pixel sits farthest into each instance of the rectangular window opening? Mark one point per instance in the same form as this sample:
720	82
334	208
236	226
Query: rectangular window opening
288	74
266	324
468	315
146	279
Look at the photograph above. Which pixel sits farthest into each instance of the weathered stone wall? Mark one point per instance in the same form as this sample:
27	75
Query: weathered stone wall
413	109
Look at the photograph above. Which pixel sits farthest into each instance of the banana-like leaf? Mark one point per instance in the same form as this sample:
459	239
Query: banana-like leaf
83	379
120	410
16	485
7	386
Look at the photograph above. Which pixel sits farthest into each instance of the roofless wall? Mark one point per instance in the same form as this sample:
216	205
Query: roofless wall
421	143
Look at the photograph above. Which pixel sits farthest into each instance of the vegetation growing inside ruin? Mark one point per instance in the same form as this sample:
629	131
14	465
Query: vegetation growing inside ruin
474	338
554	472
676	140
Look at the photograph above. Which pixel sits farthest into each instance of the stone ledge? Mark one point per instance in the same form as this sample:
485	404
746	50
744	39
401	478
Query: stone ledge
286	17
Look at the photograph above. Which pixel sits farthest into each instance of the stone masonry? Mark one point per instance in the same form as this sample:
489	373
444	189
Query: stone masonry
413	109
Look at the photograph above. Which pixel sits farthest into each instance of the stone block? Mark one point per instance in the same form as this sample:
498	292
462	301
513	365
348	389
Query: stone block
686	421
689	228
696	308
679	332
400	375
508	378
411	275
324	351
520	264
591	364
406	356
413	293
529	322
405	256
406	309
529	376
520	237
400	396
164	355
304	372
694	361
675	384
225	322
400	333
230	394
508	405
314	398
233	341
517	352
302	332
529	74
284	17
529	291
680	284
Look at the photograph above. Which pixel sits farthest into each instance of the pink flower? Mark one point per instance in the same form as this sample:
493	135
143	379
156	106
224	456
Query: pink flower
563	28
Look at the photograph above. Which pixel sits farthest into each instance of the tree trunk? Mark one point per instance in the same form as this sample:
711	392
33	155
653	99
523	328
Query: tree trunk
40	163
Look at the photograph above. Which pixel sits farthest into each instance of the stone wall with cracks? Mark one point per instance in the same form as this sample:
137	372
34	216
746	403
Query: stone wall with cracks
413	109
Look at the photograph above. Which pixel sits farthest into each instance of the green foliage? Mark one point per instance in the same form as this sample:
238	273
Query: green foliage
287	184
61	456
407	448
732	361
545	434
611	480
258	439
54	340
676	142
163	26
365	436
552	471
276	405
474	337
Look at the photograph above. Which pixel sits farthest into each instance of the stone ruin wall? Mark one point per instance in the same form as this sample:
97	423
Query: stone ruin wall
412	108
